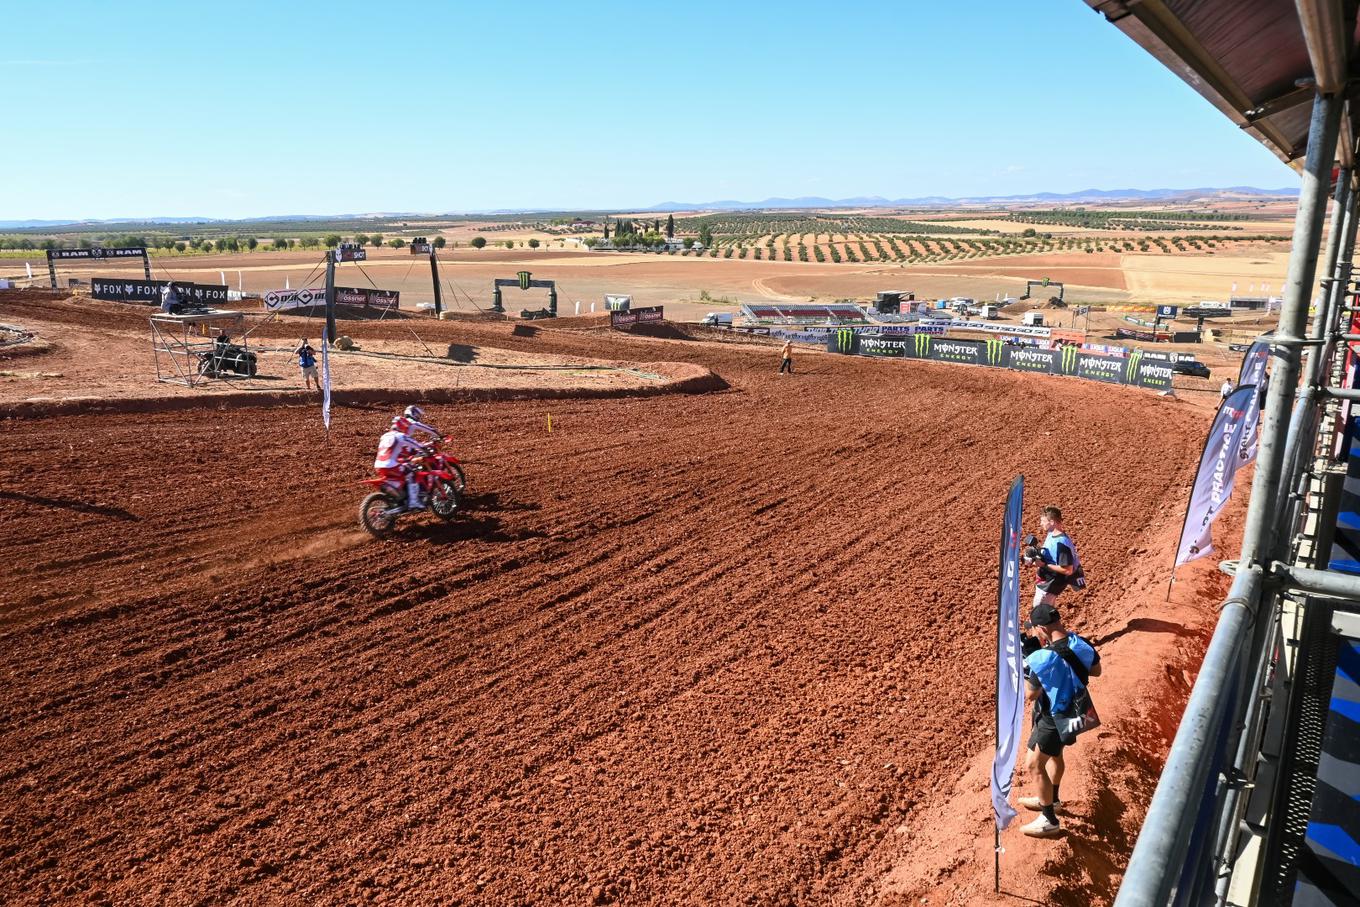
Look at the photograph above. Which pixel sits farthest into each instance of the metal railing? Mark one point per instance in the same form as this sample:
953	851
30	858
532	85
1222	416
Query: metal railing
1186	852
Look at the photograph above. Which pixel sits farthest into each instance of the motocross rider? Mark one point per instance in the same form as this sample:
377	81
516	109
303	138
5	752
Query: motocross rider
397	446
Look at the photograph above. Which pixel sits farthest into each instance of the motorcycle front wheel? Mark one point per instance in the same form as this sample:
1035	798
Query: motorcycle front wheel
378	514
444	500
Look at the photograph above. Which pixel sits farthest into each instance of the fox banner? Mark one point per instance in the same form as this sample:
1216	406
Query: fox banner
1217	469
1010	684
1253	372
152	291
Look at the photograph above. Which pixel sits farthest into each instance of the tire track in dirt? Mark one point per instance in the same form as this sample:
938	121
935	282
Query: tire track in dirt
682	650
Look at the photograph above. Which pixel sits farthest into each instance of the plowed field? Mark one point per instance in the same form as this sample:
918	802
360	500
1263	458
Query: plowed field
687	649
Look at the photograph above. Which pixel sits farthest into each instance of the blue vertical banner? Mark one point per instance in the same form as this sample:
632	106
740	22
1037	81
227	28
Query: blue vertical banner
1010	681
1218	466
1253	373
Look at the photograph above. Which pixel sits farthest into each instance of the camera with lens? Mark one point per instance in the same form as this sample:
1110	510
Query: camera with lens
1031	553
1029	644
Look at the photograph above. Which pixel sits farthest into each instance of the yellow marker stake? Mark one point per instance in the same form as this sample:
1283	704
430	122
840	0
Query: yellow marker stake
549	424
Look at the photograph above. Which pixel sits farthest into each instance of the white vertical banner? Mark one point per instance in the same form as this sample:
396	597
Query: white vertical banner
326	379
223	275
29	268
240	281
1010	684
1213	486
286	284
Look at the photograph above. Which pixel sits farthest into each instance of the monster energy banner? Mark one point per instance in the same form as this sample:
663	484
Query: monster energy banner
524	279
1135	369
1030	359
152	291
843	340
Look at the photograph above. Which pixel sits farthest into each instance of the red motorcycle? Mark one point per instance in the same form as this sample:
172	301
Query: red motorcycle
440	478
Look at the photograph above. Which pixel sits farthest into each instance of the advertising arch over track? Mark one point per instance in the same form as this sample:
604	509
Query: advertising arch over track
96	253
525	280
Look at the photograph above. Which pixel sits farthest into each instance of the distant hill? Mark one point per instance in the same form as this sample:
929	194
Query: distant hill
869	201
1085	195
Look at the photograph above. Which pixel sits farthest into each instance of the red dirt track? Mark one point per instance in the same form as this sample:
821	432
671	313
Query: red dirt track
683	649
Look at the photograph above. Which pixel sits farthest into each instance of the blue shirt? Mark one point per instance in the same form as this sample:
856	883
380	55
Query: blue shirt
1055	676
1058	549
306	357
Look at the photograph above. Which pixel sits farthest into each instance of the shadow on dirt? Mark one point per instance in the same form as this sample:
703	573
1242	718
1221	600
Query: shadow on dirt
479	519
1146	625
116	513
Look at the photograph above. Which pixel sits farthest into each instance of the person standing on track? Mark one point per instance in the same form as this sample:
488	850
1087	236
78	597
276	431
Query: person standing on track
1058	566
786	358
1055	673
306	357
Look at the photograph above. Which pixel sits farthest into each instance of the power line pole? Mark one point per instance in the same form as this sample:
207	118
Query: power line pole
330	296
434	275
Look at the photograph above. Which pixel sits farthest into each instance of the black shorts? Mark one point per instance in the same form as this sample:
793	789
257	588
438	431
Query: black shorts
1045	736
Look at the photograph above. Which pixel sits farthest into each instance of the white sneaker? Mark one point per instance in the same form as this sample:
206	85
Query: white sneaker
1034	804
1042	828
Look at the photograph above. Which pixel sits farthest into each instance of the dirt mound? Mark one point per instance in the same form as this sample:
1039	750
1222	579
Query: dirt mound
687	649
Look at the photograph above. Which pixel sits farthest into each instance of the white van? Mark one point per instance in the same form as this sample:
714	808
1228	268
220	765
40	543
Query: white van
1032	319
718	319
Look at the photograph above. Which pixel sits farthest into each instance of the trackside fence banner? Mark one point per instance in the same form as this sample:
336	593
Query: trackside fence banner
1010	687
281	300
1253	372
1217	470
644	315
1135	369
131	289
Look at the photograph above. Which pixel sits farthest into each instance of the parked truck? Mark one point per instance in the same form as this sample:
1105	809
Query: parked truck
1032	319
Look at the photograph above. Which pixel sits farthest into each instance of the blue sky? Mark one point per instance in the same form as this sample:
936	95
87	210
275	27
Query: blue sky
252	108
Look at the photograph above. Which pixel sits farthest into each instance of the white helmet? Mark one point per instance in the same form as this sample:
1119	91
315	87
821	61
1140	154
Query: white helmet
414	413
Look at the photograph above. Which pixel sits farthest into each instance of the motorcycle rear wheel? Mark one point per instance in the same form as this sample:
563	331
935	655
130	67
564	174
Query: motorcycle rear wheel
378	514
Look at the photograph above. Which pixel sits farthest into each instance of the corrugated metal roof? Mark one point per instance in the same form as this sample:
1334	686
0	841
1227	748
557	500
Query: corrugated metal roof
1246	57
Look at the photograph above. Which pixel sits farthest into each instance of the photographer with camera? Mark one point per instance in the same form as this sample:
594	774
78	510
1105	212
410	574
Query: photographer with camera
1056	560
1058	666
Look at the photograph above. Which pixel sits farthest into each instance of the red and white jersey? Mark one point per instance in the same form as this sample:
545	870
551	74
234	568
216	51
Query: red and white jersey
421	426
393	445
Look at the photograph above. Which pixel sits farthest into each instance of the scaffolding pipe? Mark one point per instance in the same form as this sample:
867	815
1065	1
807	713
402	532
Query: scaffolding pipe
1172	815
1317	582
1325	36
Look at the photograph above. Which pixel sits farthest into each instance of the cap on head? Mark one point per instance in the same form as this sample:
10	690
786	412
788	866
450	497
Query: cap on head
1043	615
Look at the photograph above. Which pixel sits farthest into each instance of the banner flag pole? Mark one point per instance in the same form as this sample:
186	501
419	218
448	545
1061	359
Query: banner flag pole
1010	693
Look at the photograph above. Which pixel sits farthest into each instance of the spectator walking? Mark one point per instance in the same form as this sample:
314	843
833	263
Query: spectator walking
1056	671
786	362
1057	561
1226	389
306	357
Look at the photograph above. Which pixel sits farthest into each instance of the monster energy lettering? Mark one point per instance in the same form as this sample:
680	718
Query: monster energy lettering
1069	360
994	347
523	279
